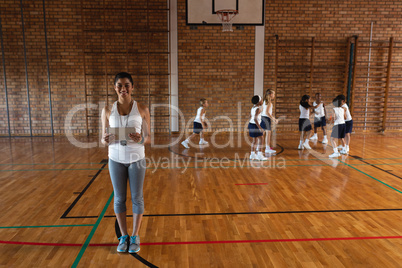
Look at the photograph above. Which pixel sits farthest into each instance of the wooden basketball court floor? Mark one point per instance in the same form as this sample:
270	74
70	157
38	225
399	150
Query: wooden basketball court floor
212	209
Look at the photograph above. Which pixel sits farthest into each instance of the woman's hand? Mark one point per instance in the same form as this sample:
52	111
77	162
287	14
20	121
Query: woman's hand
108	139
136	137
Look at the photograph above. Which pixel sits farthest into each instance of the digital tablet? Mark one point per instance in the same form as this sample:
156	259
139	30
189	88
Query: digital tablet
121	133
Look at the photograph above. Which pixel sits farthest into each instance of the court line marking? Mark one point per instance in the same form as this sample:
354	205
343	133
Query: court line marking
231	159
393	188
85	245
48	169
210	242
39	164
250	213
203	166
261	183
82	192
53	164
375	166
45	226
97	163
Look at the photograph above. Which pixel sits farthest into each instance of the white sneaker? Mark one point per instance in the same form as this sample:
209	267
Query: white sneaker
185	144
339	147
269	151
325	141
253	156
334	155
261	157
343	151
314	137
203	142
306	146
300	147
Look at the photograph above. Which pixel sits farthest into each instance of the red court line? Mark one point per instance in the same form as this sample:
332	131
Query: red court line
252	183
209	242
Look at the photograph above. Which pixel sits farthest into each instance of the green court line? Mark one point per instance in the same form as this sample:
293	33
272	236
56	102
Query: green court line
200	166
383	164
97	163
151	168
84	247
44	226
371	177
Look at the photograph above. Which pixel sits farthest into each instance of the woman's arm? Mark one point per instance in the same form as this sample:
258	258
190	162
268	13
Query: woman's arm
145	136
270	115
106	137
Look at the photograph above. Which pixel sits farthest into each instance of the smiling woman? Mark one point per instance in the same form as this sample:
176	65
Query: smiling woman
127	157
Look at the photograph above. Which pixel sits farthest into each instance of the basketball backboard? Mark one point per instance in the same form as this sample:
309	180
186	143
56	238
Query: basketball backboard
203	12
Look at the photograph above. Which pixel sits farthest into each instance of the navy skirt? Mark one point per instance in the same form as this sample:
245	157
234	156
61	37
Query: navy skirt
197	128
304	124
339	131
254	131
265	123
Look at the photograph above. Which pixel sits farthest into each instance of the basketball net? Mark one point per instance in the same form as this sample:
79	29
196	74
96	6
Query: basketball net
226	16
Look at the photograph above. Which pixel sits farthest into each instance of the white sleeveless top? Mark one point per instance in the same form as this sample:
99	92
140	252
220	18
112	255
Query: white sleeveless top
132	152
304	113
348	115
264	108
320	110
340	116
198	116
253	111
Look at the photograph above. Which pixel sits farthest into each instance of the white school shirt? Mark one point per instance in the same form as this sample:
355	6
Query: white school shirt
132	152
264	108
340	116
348	115
252	112
320	110
198	117
304	113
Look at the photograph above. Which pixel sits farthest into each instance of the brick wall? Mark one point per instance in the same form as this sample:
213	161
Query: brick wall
214	65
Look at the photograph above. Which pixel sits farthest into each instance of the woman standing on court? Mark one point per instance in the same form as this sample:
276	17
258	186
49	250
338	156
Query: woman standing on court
127	157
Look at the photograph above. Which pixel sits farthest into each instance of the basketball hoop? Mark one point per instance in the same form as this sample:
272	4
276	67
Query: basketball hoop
226	16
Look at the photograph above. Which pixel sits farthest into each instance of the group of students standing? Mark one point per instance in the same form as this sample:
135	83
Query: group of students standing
261	120
341	118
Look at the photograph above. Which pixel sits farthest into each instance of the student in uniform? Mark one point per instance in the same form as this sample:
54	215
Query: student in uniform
338	130
267	119
199	124
319	118
304	121
348	122
255	129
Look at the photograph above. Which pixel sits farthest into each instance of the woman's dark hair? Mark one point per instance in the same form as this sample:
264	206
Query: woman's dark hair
255	99
304	101
337	102
123	75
